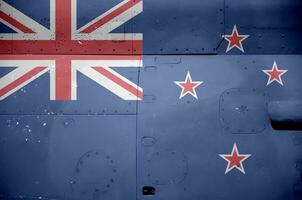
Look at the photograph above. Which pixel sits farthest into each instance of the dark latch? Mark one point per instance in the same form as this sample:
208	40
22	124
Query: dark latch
148	190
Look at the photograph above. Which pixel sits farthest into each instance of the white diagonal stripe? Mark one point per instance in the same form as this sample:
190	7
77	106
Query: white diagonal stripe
103	32
40	31
14	75
107	83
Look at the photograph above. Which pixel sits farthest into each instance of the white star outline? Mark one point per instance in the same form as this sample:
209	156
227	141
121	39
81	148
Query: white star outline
275	66
229	41
188	77
228	168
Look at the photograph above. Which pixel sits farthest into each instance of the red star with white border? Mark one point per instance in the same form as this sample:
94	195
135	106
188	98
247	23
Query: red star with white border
188	86
235	40
235	160
274	74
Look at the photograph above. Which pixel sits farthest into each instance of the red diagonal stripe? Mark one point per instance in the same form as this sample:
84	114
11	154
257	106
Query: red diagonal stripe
119	81
21	80
110	16
15	23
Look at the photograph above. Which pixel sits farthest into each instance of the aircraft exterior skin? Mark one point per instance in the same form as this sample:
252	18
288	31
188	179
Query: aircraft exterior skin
150	100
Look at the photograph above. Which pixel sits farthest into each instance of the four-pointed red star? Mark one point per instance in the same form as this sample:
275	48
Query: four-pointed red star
235	160
188	86
274	74
235	40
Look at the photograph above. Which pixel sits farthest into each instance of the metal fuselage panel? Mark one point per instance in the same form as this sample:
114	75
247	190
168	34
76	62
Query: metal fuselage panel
102	116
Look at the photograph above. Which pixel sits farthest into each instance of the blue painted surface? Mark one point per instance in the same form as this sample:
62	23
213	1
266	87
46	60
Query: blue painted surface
286	111
6	29
199	131
179	27
274	26
100	147
52	156
5	70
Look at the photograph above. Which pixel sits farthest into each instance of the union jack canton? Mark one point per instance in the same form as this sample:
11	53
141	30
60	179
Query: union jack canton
35	49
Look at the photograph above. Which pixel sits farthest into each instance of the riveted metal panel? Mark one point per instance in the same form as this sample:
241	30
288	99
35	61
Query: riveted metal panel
181	27
194	27
192	128
166	167
238	108
57	157
92	98
62	20
274	26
